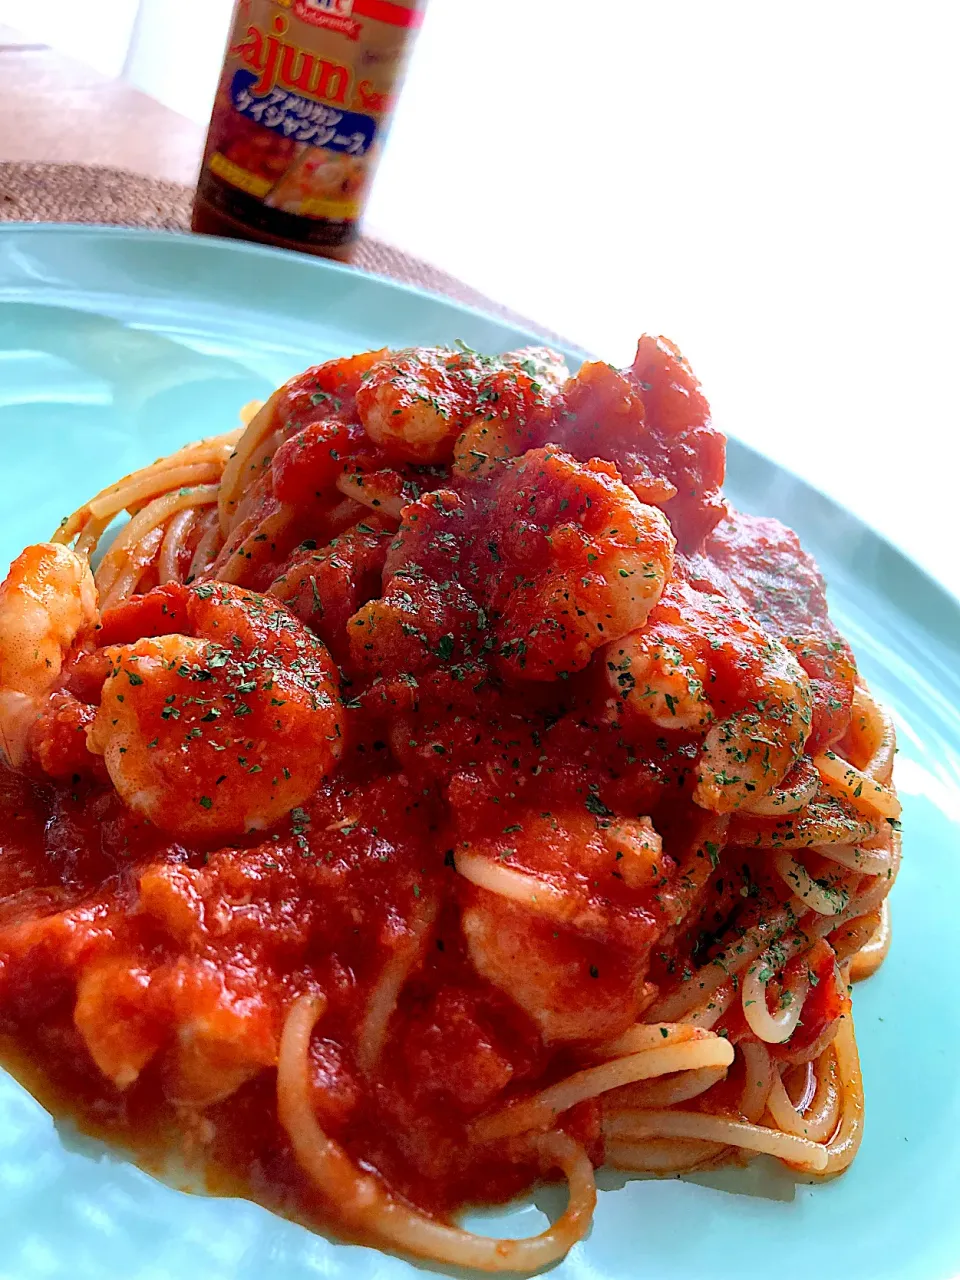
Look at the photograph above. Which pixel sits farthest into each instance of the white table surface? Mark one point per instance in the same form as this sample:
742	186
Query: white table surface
772	186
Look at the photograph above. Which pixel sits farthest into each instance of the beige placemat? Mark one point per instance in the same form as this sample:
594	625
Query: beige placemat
115	197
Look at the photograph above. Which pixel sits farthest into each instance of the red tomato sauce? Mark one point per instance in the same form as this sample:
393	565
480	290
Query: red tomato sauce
145	978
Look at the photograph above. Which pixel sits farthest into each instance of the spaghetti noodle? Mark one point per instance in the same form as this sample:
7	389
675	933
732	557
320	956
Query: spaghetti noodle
434	786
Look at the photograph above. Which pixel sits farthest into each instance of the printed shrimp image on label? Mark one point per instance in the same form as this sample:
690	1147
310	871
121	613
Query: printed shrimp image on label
297	128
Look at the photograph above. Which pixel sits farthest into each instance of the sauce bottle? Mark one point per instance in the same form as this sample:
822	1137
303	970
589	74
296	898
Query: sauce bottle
302	108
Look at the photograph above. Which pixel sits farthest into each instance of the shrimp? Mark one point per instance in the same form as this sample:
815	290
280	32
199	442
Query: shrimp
561	908
224	723
542	363
704	666
583	562
126	1008
573	987
515	410
414	403
325	587
535	571
47	603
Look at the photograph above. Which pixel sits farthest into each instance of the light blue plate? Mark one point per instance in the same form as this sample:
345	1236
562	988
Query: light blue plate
118	346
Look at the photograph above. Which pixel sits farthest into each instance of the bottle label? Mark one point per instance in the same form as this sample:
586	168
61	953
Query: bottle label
300	112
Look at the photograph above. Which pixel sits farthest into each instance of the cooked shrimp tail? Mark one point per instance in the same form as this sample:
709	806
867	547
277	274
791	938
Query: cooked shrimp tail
701	665
47	603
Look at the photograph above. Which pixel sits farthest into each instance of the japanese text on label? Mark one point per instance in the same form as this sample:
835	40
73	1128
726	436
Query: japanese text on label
302	119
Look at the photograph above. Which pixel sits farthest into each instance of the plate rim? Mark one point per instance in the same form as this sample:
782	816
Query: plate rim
939	595
744	455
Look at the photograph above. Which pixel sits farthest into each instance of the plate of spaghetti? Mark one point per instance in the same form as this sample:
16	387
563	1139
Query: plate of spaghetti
441	822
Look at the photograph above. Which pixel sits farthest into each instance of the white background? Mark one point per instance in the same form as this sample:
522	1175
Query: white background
771	184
